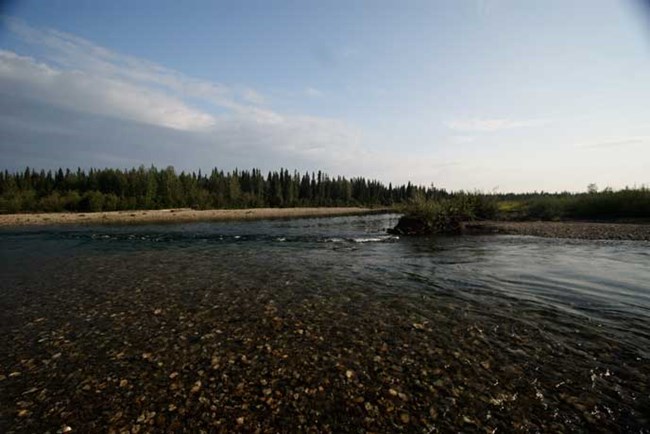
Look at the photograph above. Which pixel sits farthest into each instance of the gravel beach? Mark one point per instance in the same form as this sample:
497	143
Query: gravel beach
576	230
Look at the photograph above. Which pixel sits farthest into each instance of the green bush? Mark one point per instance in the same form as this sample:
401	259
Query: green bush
612	204
441	215
546	208
71	201
51	203
10	203
92	201
605	205
111	202
484	206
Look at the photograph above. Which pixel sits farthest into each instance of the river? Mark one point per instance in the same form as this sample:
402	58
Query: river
328	325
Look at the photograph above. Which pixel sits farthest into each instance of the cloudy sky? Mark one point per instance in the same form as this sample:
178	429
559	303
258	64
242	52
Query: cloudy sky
494	95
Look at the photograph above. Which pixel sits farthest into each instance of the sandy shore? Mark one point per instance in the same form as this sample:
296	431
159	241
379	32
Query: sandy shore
180	215
577	230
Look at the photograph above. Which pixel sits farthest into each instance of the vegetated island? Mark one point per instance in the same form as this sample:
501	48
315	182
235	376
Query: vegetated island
617	215
150	195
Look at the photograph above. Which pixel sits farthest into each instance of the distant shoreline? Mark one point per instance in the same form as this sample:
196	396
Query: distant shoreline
589	230
177	215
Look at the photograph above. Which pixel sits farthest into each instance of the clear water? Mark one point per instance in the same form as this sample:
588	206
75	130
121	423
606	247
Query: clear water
510	331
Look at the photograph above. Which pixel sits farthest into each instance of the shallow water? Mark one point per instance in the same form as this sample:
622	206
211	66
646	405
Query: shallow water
320	324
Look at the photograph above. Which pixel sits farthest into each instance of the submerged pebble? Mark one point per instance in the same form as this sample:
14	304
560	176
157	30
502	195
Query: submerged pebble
176	340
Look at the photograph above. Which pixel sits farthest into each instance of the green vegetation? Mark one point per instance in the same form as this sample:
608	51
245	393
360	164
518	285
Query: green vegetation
152	188
446	214
593	205
142	188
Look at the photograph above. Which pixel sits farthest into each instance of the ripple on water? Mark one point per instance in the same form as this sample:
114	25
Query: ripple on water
275	326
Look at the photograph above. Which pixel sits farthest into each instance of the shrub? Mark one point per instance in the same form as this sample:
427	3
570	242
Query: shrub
92	201
428	216
51	203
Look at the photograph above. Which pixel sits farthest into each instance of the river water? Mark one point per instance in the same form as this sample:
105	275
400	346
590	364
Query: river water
322	325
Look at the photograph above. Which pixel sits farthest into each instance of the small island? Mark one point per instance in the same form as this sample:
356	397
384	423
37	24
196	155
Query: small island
617	215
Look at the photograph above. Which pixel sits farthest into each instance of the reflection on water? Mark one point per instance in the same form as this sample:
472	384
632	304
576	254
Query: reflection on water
462	333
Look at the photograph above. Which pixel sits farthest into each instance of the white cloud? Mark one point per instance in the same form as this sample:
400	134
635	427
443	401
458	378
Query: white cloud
252	96
76	75
70	52
617	142
100	95
462	139
491	125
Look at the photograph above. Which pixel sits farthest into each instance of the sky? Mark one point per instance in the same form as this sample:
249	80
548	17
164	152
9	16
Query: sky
489	95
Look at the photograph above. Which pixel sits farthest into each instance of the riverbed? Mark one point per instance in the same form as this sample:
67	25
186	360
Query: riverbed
321	325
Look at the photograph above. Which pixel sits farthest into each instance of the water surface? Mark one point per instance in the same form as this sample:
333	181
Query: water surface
325	324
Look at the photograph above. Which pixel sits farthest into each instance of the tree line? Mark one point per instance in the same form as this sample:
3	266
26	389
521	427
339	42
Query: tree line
152	188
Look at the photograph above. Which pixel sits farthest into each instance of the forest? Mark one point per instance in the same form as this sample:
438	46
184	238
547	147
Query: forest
152	188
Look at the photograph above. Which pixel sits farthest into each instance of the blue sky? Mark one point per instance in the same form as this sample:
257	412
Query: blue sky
493	95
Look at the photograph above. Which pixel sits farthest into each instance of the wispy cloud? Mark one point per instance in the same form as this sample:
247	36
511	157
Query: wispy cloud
491	125
462	139
252	96
92	93
617	142
71	53
74	75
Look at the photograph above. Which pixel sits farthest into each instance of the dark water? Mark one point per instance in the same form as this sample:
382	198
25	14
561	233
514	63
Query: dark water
323	325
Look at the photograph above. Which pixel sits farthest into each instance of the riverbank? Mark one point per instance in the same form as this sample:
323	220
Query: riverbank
179	215
576	230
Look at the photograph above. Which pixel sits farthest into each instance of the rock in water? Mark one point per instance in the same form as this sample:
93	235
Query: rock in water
408	225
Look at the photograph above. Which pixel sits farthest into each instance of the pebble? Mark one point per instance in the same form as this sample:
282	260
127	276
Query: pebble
252	376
